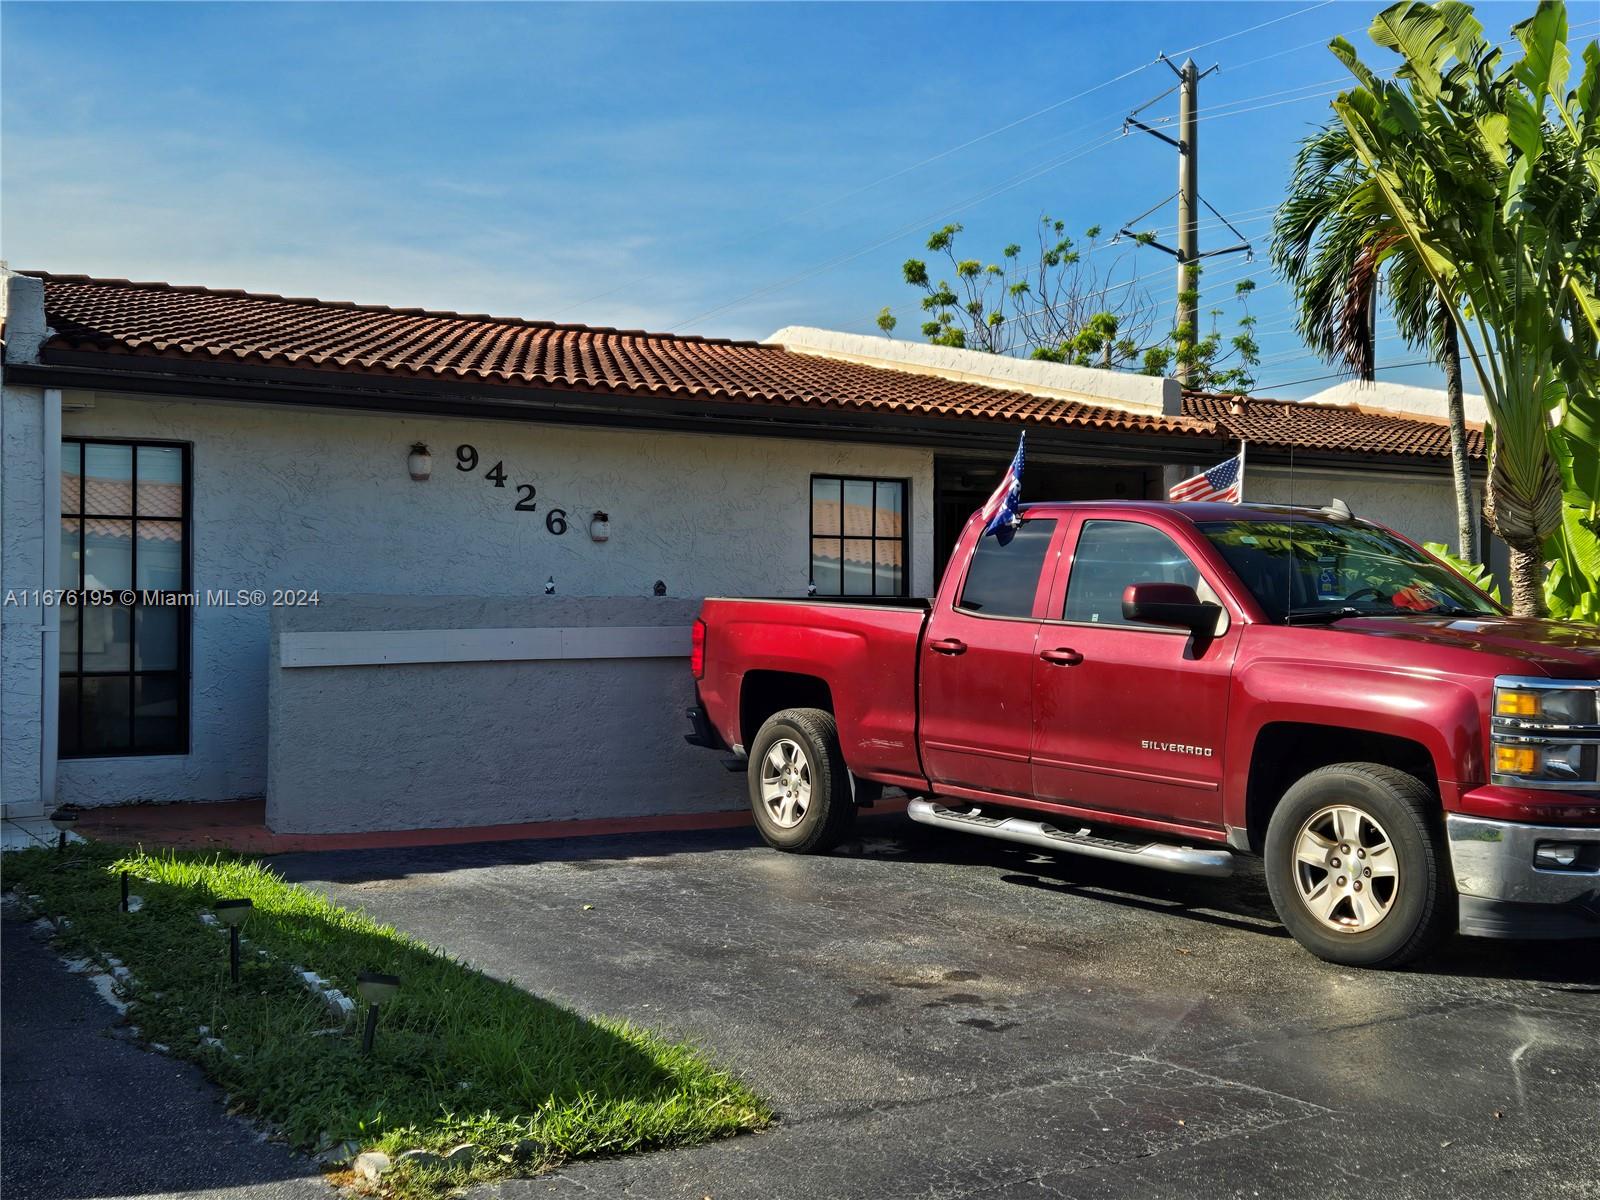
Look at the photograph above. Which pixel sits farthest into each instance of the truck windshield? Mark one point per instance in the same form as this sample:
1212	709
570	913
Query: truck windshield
1307	571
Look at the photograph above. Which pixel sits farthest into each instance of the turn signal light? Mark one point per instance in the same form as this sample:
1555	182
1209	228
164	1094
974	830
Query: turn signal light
1516	760
1516	704
697	649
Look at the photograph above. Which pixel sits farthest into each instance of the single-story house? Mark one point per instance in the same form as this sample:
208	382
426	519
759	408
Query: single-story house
391	568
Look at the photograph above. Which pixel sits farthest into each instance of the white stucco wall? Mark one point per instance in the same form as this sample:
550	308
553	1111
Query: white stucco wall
1422	507
1401	398
298	498
21	564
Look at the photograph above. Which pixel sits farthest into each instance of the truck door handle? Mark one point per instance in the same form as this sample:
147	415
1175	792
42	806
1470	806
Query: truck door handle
1061	657
948	646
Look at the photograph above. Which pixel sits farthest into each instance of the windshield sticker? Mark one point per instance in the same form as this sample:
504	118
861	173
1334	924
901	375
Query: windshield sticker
1328	579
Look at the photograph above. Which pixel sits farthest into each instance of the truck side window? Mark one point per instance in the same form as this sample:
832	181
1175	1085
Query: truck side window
1112	554
1002	580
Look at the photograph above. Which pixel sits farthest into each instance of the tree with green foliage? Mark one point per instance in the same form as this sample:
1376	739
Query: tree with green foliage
1339	247
1063	307
1492	175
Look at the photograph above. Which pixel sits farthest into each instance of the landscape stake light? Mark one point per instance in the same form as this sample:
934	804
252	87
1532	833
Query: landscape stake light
63	819
124	891
375	989
232	914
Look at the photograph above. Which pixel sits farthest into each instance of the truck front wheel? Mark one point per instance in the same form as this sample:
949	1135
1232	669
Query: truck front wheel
1357	868
799	785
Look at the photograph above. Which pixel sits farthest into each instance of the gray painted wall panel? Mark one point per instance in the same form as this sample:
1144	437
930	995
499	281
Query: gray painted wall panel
423	745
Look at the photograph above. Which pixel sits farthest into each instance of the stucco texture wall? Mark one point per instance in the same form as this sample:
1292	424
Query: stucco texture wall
436	744
289	498
21	561
1421	507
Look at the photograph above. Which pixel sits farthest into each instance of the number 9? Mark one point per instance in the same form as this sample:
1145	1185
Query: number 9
466	457
556	521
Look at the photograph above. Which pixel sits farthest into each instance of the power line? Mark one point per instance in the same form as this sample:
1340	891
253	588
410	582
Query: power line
1421	362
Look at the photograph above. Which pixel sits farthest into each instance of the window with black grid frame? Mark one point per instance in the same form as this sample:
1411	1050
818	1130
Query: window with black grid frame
859	536
124	666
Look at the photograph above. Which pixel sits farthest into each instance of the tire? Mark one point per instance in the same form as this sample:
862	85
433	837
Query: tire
1366	920
799	785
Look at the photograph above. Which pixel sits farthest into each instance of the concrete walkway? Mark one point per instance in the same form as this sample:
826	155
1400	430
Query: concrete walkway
88	1116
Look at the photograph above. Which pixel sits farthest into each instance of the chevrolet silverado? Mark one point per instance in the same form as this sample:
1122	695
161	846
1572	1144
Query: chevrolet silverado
1178	685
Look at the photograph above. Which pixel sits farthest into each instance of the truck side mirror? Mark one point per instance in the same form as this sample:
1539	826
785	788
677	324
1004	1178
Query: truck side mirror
1168	604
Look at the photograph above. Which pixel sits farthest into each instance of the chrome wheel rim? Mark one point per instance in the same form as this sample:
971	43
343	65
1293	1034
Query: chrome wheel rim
1345	869
785	783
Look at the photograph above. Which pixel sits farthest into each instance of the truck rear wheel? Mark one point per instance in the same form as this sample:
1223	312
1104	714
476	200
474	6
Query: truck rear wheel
1357	868
799	785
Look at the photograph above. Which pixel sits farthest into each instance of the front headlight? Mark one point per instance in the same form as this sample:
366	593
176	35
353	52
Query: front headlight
1546	706
1546	733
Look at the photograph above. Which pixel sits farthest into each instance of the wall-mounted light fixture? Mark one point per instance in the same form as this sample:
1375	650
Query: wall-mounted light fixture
232	913
600	527
660	588
419	462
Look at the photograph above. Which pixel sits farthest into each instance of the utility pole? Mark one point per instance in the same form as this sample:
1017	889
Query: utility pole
1187	252
1188	307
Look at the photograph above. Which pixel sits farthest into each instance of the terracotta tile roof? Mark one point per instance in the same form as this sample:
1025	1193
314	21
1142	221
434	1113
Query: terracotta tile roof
1281	424
159	320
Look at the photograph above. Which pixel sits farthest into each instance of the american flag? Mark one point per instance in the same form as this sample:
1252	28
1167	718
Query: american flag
999	511
1225	482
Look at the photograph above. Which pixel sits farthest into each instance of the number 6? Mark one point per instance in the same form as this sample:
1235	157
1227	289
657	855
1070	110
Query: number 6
556	521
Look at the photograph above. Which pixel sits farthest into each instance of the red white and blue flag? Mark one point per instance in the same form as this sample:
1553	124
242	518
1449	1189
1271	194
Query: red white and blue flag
1223	482
999	511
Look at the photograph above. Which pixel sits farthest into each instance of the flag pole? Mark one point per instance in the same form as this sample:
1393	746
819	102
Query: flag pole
1242	445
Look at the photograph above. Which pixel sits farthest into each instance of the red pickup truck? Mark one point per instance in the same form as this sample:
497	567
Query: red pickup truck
1177	685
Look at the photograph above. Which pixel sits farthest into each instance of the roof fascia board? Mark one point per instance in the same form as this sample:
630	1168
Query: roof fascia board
603	409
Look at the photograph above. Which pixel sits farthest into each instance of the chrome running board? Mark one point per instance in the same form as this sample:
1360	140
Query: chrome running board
1188	860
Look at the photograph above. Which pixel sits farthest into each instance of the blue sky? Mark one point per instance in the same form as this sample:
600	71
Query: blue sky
723	169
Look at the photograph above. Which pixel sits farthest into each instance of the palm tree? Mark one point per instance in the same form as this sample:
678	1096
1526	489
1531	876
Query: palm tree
1335	242
1501	205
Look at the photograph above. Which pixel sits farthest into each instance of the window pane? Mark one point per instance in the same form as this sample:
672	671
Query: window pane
106	703
1002	580
107	645
825	507
155	712
108	480
71	568
825	566
858	566
888	568
160	481
71	476
107	554
155	643
891	499
160	554
858	508
1112	554
67	730
69	637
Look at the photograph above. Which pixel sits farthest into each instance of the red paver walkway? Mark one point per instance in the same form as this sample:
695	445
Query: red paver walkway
241	825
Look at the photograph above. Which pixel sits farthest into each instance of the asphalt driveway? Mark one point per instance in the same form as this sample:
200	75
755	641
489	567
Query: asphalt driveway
939	1017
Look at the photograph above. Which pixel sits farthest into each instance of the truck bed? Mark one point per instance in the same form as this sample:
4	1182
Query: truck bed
865	649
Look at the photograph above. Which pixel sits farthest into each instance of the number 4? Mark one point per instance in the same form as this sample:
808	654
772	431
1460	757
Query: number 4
497	473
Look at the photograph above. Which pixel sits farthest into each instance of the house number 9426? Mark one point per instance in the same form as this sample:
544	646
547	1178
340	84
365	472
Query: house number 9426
467	460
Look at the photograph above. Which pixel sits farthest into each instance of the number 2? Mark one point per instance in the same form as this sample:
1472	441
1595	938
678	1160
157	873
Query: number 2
527	491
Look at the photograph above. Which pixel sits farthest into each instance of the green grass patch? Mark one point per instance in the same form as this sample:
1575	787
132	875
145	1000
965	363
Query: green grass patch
459	1057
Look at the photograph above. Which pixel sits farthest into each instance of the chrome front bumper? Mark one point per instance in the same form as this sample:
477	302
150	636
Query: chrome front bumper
1505	892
